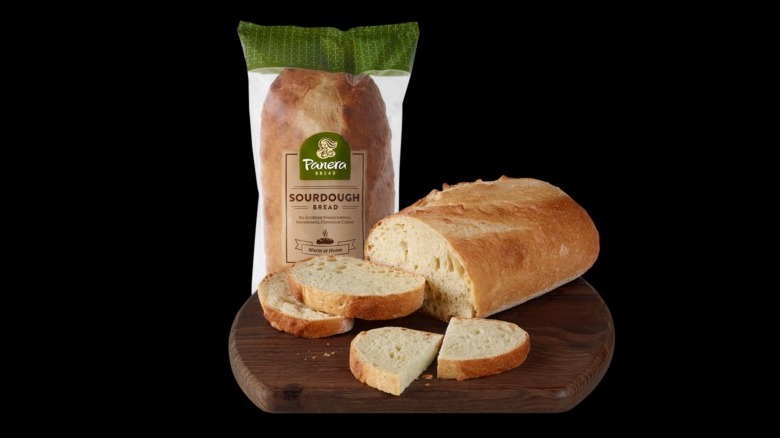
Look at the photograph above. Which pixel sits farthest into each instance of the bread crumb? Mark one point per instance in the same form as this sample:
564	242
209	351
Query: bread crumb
427	377
326	354
332	352
313	357
427	384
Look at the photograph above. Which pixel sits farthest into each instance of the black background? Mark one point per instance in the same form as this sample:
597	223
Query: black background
569	97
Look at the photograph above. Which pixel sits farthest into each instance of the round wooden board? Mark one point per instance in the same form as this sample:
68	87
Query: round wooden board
572	340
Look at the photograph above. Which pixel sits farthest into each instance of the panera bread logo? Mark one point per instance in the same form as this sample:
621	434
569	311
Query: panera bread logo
325	155
325	148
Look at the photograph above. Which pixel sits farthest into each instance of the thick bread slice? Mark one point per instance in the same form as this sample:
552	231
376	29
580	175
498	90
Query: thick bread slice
487	246
289	315
390	358
481	347
355	288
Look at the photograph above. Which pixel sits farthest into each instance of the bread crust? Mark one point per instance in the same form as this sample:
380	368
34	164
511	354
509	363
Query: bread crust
301	103
517	238
303	327
471	368
370	307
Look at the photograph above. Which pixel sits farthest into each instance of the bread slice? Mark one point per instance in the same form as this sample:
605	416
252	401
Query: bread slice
289	315
487	246
355	288
481	347
390	358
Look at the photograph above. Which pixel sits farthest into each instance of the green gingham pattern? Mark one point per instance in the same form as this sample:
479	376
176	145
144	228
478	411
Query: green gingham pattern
386	49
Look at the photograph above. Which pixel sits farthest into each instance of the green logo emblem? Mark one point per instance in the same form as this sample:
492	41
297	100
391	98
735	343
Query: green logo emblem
325	156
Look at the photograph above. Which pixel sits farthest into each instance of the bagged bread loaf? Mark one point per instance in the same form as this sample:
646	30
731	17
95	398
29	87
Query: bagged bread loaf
345	114
325	112
484	247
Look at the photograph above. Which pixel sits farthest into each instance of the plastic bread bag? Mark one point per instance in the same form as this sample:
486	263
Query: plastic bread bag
325	109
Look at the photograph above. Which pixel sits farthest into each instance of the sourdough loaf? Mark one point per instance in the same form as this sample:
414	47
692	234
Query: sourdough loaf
390	358
301	103
355	288
289	315
475	347
487	246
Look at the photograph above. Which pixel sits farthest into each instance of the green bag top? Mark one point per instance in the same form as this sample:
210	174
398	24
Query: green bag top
382	50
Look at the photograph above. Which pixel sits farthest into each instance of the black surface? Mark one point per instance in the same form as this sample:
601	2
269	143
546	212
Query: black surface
562	97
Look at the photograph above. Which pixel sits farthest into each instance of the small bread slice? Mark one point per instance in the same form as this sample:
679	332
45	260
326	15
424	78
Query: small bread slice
289	315
390	358
475	347
355	288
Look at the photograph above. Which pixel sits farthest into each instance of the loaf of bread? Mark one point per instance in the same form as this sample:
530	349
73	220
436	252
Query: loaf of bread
289	315
301	103
475	347
390	358
355	288
487	246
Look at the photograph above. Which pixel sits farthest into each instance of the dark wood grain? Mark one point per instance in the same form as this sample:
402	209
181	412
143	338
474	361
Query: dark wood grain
572	340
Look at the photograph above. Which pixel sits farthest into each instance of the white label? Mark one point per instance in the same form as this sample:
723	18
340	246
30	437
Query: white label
323	217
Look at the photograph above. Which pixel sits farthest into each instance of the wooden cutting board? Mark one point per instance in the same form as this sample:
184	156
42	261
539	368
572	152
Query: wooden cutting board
572	340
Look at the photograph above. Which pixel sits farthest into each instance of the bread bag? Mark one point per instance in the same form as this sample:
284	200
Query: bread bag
325	115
